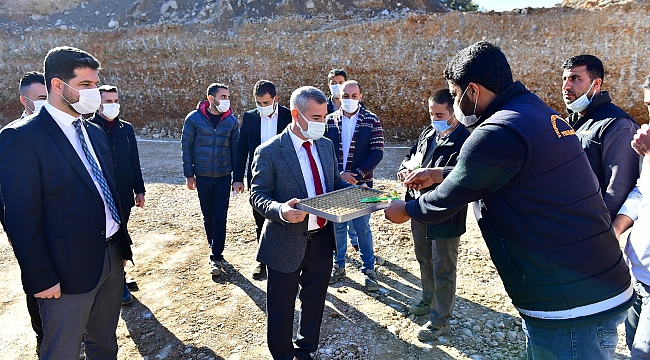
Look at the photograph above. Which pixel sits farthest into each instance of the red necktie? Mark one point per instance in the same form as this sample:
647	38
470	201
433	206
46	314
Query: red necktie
317	184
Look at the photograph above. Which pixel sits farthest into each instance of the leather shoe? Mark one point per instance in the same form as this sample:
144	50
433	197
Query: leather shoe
259	272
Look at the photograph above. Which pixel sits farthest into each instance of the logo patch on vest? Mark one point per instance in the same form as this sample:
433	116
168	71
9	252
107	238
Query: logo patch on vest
558	132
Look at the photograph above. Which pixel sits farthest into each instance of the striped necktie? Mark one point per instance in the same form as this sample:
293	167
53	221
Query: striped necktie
97	172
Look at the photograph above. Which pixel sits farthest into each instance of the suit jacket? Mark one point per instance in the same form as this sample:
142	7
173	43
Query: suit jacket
250	139
277	178
54	213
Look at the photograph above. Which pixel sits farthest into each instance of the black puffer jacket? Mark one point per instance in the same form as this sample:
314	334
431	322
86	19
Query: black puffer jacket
126	160
209	150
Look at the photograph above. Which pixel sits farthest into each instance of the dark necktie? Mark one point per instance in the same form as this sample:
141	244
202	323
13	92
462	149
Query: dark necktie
99	176
317	184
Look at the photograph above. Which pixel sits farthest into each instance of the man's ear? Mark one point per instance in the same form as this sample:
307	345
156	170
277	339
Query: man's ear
473	91
23	100
294	113
57	86
598	82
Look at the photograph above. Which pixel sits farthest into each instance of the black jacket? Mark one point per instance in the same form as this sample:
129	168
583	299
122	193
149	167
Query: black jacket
605	131
209	150
126	160
540	212
444	155
249	140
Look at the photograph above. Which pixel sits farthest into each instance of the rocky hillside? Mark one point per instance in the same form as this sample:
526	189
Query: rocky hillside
398	55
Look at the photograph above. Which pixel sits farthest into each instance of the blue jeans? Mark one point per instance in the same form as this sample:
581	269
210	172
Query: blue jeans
364	237
637	325
214	197
353	234
589	342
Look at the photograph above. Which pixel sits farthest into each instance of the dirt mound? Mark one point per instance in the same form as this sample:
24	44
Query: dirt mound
222	14
597	4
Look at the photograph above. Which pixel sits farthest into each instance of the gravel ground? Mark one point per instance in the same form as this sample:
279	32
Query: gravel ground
180	312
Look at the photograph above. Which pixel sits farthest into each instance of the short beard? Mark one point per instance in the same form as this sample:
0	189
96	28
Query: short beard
67	99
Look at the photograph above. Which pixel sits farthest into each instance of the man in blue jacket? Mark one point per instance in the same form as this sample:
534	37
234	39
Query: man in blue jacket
209	143
358	138
539	208
436	246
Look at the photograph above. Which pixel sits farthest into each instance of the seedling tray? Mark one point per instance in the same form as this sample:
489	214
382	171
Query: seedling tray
343	205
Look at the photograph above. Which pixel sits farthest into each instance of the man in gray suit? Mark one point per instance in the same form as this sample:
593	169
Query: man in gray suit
296	246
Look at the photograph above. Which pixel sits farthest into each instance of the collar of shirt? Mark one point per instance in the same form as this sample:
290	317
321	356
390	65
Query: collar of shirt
297	142
354	117
273	116
61	117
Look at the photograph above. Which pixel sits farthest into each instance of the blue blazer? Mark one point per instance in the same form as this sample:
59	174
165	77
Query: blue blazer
53	212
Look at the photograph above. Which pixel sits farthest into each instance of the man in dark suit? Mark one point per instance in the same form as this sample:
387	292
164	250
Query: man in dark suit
62	212
295	246
258	126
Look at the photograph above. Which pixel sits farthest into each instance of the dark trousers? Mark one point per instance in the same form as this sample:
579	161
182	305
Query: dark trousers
91	316
312	277
35	316
259	223
126	213
214	197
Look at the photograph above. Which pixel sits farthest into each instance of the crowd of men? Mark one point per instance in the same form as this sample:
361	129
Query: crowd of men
552	195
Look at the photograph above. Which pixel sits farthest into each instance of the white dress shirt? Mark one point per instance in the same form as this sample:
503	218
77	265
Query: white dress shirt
637	208
305	167
268	126
65	121
348	125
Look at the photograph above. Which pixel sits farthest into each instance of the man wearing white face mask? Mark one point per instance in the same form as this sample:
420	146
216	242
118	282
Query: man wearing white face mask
209	144
65	221
604	129
126	160
335	79
33	93
296	247
358	136
258	126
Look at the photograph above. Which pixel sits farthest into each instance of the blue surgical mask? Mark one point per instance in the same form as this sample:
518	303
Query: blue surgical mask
441	125
581	103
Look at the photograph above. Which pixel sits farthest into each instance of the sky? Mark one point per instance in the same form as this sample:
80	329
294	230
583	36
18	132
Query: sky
505	5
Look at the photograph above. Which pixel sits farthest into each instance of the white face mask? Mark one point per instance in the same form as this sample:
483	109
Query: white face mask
581	103
315	129
223	106
89	100
468	121
349	105
266	111
335	89
37	104
111	111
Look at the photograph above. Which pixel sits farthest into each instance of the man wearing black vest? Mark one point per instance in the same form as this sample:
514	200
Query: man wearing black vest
259	125
539	208
604	129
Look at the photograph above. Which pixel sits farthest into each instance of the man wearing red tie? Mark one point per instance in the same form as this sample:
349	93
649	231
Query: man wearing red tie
296	246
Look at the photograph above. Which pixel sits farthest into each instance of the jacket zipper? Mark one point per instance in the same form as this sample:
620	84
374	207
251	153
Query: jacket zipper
505	251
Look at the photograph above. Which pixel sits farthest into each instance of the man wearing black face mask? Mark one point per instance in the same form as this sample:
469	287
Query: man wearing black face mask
604	129
539	208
